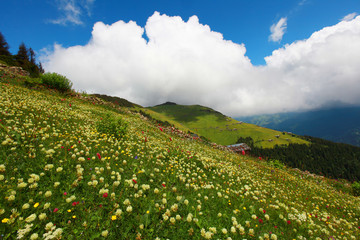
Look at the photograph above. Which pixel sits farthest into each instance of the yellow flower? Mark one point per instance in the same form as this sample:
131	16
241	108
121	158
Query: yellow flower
36	205
69	210
113	217
5	220
147	211
74	216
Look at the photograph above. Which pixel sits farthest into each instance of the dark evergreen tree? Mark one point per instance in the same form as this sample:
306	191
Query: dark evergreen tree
41	69
23	54
32	56
4	46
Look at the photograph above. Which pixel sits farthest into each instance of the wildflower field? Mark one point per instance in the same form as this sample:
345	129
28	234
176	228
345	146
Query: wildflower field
60	178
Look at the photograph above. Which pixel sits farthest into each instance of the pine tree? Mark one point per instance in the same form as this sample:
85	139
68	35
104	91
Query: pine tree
22	56
41	69
32	56
4	46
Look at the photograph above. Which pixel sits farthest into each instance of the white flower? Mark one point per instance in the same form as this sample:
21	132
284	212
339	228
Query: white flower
42	216
34	236
105	233
48	194
129	208
30	218
26	206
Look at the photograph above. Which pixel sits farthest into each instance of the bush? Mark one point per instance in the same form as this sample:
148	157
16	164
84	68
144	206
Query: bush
113	126
56	81
276	163
32	82
356	188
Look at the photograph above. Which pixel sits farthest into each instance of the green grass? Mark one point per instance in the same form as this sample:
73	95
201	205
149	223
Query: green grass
61	179
220	128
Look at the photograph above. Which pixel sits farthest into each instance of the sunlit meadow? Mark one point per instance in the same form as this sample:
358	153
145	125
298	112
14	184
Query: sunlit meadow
61	179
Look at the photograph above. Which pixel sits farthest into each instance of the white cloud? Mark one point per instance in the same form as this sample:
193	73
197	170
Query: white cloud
349	17
71	11
277	30
187	63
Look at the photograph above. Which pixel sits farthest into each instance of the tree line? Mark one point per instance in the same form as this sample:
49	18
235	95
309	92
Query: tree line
25	58
322	157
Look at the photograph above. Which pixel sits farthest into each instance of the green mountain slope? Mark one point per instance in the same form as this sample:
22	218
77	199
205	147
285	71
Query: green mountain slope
62	177
220	128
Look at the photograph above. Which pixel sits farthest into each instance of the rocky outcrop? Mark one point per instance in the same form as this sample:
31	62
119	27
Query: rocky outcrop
14	70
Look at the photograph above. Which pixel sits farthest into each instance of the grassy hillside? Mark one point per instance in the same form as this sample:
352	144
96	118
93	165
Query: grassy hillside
60	178
222	129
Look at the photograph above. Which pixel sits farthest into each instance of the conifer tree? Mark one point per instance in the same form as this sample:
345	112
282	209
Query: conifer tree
32	56
4	46
22	55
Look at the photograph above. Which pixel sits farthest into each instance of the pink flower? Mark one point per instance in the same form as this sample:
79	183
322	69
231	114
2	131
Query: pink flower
65	193
56	209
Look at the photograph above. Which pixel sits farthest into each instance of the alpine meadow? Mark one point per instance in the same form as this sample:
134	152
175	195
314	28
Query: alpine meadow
74	165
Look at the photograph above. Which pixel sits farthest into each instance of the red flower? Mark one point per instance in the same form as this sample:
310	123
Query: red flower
98	155
260	220
134	181
264	211
243	152
69	104
259	158
160	129
170	139
163	185
105	195
288	222
74	203
65	193
56	209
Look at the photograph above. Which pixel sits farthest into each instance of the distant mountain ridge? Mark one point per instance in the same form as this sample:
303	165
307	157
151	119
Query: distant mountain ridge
341	124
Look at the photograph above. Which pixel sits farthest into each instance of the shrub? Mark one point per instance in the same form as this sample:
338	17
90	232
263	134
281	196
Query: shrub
356	188
56	81
276	163
32	82
113	126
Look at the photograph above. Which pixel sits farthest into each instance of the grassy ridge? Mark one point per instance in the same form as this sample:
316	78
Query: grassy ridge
220	128
62	179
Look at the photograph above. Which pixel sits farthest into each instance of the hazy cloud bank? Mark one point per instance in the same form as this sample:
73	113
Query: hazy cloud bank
187	63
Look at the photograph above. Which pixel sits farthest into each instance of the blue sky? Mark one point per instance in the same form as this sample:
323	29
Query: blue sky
242	57
241	21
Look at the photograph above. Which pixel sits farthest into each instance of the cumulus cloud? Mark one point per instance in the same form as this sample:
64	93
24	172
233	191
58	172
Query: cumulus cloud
71	11
278	30
188	63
